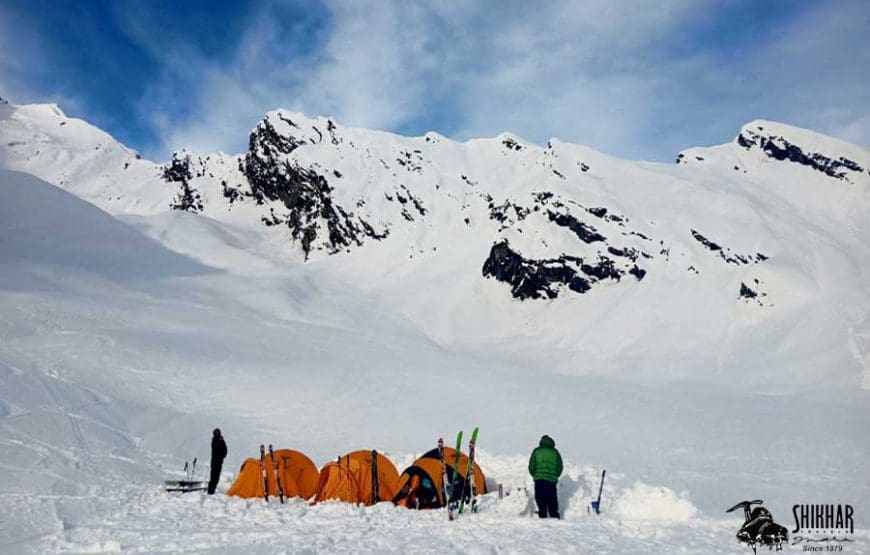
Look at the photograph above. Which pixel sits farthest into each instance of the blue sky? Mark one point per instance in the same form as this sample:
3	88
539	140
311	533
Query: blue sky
638	79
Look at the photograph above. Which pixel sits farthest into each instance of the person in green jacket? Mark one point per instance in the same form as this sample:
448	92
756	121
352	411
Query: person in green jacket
545	466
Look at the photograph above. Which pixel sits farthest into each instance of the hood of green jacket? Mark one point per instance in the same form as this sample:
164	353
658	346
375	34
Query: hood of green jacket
547	441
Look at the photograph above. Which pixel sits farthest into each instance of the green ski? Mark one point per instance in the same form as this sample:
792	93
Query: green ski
469	475
453	502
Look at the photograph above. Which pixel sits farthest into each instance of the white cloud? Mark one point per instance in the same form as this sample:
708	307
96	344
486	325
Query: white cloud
600	73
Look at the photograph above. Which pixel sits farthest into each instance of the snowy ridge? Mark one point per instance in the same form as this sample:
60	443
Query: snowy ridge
687	326
765	141
734	254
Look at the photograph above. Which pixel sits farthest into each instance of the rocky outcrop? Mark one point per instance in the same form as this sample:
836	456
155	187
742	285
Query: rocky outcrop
314	218
532	279
726	254
178	170
779	148
585	232
546	278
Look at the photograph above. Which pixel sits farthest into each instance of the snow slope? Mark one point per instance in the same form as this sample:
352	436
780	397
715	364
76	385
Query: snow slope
126	338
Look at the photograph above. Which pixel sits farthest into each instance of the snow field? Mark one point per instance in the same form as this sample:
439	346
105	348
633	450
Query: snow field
125	339
147	520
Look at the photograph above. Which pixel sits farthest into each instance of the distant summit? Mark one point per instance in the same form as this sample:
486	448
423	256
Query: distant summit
750	245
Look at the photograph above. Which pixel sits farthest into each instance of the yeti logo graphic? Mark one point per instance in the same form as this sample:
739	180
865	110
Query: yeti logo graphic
759	527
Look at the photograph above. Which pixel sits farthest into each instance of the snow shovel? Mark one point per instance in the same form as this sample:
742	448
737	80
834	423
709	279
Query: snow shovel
596	505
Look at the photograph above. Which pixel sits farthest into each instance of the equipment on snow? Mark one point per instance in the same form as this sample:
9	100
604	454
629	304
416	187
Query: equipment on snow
188	484
445	485
469	476
375	485
277	474
453	504
596	505
263	469
422	484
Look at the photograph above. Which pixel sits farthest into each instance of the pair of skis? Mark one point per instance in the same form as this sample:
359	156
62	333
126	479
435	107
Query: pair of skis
453	493
274	468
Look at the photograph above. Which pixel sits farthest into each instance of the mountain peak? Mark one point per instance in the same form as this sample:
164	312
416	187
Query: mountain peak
762	141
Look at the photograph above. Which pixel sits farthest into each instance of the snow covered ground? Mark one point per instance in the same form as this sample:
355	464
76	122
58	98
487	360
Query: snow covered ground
125	338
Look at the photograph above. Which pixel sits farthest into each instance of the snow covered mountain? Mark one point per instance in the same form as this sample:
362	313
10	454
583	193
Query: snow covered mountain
701	328
749	247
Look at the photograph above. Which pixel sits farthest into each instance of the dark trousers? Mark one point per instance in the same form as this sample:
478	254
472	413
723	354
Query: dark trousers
215	477
546	498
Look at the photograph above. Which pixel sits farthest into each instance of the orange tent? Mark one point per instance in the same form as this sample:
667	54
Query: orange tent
297	474
350	478
421	485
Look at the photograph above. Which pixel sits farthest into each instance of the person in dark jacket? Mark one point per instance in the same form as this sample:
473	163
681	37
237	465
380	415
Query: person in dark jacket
218	454
545	466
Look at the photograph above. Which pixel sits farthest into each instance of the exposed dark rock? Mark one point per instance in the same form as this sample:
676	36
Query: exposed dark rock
627	252
539	279
604	269
411	162
744	142
639	273
188	199
231	193
501	213
752	293
706	242
543	197
726	254
272	220
583	167
585	232
779	148
532	279
511	144
418	204
330	127
303	191
747	292
178	169
469	181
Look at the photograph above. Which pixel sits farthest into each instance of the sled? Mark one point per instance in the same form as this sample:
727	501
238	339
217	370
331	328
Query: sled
187	485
